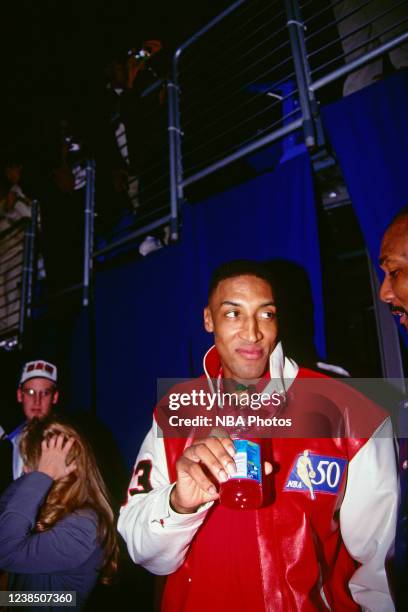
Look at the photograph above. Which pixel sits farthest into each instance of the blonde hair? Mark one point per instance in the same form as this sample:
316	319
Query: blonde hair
83	488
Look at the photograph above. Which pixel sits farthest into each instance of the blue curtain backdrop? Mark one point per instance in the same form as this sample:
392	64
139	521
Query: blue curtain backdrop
369	133
272	216
149	313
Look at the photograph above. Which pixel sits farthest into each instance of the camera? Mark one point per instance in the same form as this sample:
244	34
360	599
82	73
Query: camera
141	55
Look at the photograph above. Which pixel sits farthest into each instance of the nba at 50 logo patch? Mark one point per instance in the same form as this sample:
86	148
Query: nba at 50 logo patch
315	474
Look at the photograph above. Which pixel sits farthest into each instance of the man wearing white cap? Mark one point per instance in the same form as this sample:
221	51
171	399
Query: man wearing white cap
37	393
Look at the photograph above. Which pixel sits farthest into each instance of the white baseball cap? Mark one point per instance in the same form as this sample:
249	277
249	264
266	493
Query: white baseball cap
39	369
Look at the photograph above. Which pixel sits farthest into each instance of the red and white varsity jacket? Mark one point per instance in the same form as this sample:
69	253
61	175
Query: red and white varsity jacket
324	548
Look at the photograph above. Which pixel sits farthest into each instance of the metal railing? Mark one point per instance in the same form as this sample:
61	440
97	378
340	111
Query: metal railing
250	77
148	188
364	30
247	82
89	216
235	77
17	262
83	283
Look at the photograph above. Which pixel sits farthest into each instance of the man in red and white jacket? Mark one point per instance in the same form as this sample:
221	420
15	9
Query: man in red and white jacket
317	543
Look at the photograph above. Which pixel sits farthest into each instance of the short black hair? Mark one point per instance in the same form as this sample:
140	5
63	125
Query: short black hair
401	214
239	267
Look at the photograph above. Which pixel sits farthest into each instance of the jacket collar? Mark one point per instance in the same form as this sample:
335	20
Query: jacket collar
282	370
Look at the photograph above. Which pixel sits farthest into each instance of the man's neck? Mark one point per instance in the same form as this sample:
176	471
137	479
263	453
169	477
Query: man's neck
240	384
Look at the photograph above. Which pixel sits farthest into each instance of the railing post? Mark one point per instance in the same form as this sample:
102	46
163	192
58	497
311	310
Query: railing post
302	71
27	277
88	230
175	160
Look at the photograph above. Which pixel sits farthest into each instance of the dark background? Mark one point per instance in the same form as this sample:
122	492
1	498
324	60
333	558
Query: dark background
54	54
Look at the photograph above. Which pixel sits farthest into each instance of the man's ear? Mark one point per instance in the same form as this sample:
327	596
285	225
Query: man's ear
55	397
208	321
19	395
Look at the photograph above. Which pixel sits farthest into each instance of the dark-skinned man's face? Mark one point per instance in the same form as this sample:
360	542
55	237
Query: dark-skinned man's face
394	262
242	315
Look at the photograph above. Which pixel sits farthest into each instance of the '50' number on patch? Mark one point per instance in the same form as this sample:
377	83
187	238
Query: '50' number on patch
329	472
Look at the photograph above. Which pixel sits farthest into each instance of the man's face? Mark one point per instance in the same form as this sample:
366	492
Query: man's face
242	315
394	262
37	397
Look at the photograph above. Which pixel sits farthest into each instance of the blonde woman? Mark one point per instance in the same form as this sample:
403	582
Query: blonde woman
56	524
